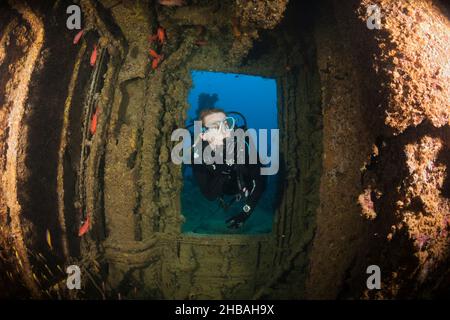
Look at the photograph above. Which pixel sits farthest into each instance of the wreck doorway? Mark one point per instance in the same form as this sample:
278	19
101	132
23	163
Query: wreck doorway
252	102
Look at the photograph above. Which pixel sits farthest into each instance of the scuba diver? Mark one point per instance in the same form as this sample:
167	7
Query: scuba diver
241	180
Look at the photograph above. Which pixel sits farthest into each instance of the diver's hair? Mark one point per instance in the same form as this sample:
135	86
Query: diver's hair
207	111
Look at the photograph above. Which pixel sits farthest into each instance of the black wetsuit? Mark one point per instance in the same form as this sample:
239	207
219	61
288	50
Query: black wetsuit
245	180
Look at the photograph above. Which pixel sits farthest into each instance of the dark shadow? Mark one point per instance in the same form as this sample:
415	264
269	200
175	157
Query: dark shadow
44	118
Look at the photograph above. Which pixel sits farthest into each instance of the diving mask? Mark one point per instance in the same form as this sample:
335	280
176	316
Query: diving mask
225	125
215	132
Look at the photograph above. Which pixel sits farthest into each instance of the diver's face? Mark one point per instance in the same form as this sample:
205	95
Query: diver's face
211	120
216	130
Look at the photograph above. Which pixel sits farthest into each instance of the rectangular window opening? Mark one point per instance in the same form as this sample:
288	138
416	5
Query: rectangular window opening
255	98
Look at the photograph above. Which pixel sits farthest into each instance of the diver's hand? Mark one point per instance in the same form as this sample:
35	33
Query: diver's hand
238	220
215	137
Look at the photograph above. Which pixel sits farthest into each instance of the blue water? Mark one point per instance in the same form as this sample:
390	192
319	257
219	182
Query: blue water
256	98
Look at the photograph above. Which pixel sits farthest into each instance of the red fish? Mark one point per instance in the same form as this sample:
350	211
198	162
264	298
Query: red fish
85	227
94	56
161	35
94	121
156	62
157	58
78	37
153	53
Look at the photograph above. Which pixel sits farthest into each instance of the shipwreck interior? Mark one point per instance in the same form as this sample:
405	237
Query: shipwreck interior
85	139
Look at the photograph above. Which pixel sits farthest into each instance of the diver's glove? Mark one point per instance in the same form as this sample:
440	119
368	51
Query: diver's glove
238	220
